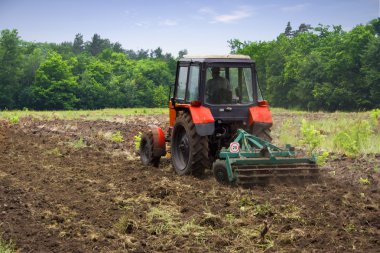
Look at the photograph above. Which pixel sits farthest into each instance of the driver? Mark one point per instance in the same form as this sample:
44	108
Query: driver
217	87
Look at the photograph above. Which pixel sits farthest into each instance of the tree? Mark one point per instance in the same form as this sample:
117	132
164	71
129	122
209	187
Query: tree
55	85
97	45
371	72
10	68
288	30
182	53
303	28
78	45
156	71
157	53
142	54
160	96
117	47
375	23
94	86
30	65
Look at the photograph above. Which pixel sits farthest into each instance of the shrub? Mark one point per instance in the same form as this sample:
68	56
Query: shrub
311	137
322	158
353	139
346	143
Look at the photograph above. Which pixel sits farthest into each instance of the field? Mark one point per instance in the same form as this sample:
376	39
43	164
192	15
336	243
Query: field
71	182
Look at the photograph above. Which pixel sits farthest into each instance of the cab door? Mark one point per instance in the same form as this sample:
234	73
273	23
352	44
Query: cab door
179	90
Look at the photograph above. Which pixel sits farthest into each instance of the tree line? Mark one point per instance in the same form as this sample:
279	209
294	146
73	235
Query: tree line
81	75
310	68
319	68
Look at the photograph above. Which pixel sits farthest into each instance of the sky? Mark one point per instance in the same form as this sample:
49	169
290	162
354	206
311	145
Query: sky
200	26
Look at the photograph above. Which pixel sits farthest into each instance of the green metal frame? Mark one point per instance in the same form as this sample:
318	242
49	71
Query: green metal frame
256	151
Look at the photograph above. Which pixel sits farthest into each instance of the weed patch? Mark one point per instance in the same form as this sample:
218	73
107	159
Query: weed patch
137	139
287	132
162	220
263	210
353	140
117	137
364	181
78	144
125	225
310	136
7	246
14	119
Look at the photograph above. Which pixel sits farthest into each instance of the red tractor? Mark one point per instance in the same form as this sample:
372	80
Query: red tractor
216	99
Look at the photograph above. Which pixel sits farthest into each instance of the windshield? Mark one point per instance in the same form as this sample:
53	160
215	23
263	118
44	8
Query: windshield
229	85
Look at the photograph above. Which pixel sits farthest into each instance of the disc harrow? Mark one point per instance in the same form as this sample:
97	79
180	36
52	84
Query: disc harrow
252	160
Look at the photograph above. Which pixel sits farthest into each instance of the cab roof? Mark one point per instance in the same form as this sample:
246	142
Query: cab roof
217	58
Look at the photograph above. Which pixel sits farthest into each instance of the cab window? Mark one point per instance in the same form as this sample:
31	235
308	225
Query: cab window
192	89
182	80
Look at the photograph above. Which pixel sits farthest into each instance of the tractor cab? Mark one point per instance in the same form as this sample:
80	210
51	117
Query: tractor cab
227	90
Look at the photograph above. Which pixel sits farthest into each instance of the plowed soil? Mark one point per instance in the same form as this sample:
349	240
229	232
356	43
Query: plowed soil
67	186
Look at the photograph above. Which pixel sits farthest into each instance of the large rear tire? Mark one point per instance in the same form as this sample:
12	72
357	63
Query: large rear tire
189	150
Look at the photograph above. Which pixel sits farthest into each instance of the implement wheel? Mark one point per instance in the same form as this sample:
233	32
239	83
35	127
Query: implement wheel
189	150
146	150
220	171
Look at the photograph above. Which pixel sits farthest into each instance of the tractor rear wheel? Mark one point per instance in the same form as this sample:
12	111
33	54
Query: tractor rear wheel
189	150
146	150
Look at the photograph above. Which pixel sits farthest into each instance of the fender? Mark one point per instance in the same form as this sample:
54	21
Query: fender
203	120
260	114
159	146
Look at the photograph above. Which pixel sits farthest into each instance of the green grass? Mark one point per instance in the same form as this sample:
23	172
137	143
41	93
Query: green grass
102	114
7	247
345	133
337	129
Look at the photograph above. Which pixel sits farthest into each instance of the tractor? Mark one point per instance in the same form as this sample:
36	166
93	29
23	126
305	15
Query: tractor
218	119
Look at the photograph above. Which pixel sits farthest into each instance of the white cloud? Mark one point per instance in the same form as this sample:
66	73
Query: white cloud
232	17
207	10
142	24
168	22
294	8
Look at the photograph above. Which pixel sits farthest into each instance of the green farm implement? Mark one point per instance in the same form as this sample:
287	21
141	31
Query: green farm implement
252	160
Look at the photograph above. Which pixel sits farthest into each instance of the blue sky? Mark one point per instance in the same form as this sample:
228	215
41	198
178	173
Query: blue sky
201	26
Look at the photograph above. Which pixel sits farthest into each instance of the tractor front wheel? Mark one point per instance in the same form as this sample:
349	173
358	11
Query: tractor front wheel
146	150
189	150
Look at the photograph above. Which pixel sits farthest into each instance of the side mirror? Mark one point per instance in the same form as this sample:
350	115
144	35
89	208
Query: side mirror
263	103
172	100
